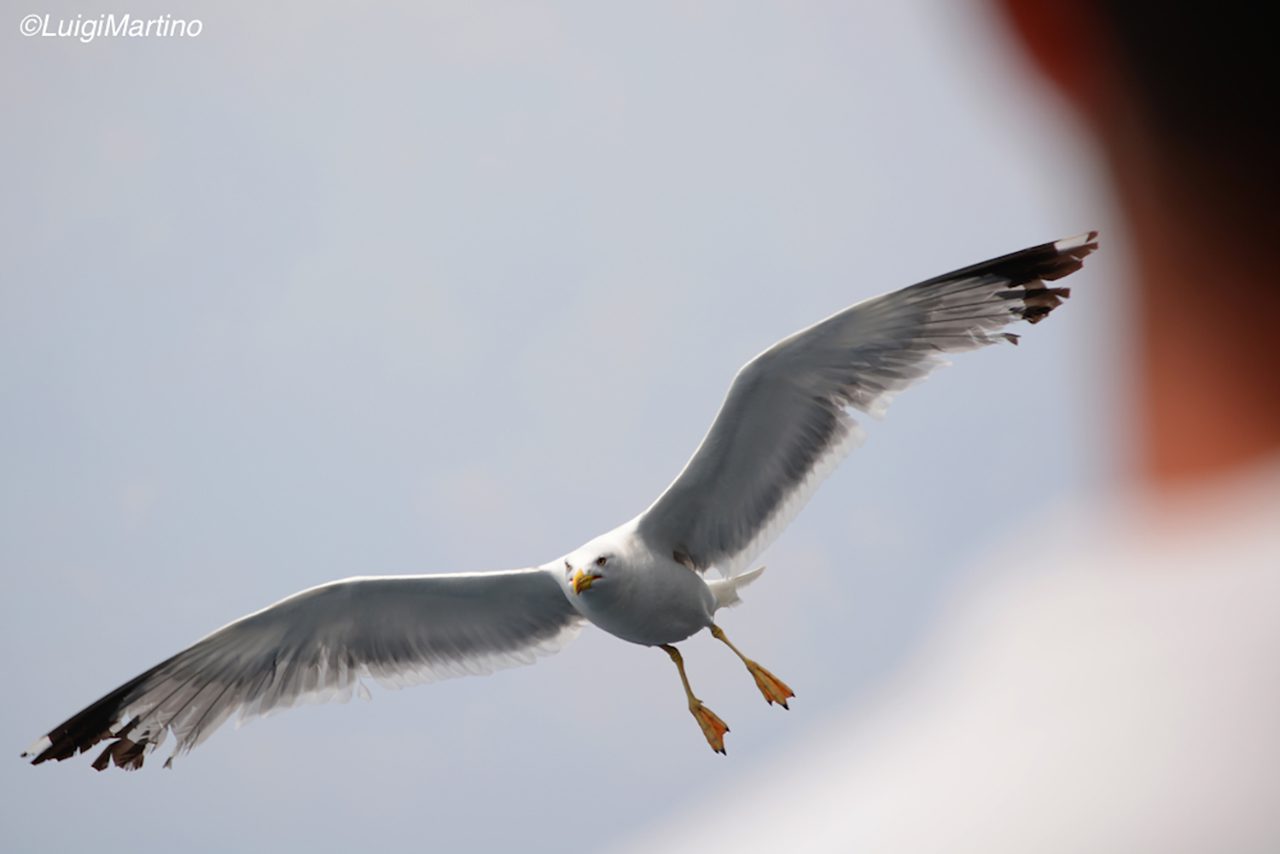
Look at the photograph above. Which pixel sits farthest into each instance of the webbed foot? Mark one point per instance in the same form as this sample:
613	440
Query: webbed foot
773	688
713	728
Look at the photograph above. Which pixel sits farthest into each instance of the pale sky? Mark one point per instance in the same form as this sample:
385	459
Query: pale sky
328	291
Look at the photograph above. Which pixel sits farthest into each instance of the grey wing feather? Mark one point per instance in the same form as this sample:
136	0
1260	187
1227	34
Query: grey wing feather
785	423
316	646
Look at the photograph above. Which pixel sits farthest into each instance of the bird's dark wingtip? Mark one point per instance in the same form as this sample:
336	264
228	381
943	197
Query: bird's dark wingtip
93	724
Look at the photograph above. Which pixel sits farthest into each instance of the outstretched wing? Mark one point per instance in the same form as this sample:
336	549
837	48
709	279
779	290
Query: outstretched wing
315	646
785	423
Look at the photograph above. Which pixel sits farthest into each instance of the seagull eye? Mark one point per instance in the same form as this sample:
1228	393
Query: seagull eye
601	561
567	566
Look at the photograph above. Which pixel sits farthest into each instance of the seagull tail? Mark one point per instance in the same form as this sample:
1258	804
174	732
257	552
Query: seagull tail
726	589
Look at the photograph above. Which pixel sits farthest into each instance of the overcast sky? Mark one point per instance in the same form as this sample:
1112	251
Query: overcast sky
457	286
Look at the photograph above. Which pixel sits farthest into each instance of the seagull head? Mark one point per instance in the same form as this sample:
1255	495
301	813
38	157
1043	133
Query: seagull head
581	574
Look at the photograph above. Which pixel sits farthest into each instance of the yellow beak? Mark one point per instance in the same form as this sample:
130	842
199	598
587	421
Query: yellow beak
583	581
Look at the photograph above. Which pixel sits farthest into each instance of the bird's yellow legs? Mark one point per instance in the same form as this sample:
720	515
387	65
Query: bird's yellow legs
773	688
712	727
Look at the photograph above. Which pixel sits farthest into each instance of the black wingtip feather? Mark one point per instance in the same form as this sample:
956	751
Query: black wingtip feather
1027	270
124	753
93	724
1045	262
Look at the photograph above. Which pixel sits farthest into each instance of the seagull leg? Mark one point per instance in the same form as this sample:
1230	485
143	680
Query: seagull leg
773	688
713	729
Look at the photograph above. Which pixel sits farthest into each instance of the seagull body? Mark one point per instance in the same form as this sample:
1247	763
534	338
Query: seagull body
639	594
785	424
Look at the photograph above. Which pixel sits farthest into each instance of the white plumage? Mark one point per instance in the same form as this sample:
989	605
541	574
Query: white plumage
784	426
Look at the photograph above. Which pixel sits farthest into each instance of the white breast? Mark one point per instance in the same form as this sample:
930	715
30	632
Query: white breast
647	600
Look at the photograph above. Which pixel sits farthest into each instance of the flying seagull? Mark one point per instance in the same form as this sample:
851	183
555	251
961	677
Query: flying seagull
785	424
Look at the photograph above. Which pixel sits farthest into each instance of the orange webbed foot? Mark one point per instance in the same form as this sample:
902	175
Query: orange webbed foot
773	688
713	728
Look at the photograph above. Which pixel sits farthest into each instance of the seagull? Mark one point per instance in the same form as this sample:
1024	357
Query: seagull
786	423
